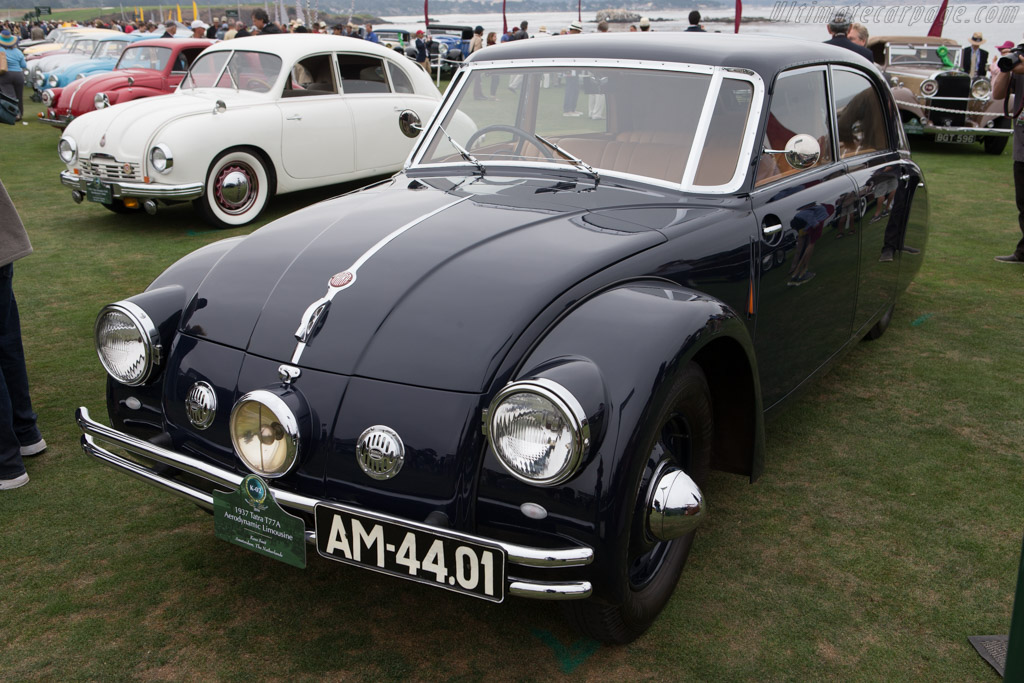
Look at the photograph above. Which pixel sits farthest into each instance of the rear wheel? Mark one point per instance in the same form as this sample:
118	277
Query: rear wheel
881	326
681	436
237	190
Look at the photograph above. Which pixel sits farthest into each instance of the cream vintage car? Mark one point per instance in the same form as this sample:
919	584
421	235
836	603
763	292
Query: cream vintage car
253	117
935	97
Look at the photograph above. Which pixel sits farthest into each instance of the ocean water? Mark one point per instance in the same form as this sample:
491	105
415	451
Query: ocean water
998	22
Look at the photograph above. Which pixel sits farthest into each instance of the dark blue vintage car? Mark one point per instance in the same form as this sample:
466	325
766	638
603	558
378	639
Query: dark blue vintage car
507	370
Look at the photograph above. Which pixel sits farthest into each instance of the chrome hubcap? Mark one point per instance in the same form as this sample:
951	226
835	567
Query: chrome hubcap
236	188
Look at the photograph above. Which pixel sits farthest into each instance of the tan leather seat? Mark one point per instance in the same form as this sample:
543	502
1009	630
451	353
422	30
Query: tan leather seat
654	154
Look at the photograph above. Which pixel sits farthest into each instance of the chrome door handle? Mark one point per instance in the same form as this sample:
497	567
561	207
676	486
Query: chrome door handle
771	229
905	176
294	117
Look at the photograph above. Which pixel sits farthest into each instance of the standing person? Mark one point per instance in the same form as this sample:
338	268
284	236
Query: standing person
595	98
422	58
572	81
370	35
645	24
12	83
492	39
523	33
993	67
170	28
858	34
974	60
1005	83
261	20
19	433
838	28
199	28
695	23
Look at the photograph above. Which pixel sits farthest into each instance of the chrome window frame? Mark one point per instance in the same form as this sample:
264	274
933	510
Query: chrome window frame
717	74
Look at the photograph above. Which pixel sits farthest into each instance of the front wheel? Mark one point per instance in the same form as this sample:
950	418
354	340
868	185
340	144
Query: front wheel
679	435
995	145
237	190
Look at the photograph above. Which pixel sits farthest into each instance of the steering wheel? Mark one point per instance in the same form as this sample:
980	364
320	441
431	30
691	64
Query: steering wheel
257	84
515	130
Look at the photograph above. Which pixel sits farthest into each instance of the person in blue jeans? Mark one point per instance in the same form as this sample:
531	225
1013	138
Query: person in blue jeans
12	83
19	434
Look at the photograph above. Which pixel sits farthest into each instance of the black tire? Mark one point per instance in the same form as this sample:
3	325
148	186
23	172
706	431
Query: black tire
117	206
995	145
680	432
226	210
879	328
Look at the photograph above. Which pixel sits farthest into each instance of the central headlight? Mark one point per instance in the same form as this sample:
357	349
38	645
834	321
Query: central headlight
51	80
101	100
265	433
67	150
981	89
127	343
538	431
161	159
929	87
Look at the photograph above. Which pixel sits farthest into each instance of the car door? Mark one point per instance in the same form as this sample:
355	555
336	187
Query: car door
807	256
377	95
317	132
868	149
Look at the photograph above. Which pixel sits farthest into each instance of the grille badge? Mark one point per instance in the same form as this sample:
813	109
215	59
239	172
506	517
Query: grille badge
380	452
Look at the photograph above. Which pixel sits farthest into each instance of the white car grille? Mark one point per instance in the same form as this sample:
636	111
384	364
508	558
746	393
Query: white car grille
109	168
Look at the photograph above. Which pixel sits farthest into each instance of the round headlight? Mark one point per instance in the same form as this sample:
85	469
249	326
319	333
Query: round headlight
929	87
38	79
442	49
160	158
101	101
538	431
981	89
51	80
127	342
67	150
265	433
48	98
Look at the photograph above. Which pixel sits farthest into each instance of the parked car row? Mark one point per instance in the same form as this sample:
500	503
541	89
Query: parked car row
508	369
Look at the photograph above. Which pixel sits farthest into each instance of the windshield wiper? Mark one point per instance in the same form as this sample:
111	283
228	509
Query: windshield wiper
576	161
462	151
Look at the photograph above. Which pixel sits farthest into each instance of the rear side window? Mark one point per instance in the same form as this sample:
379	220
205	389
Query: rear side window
859	114
362	74
400	79
799	105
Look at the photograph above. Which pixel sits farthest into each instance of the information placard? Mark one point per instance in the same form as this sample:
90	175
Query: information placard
251	518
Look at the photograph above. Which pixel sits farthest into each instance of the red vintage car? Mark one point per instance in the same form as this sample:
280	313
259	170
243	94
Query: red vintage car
146	68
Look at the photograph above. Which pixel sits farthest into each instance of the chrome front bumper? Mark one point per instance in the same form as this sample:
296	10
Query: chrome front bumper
58	122
120	190
520	555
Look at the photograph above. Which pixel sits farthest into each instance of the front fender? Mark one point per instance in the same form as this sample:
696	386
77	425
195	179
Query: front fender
639	335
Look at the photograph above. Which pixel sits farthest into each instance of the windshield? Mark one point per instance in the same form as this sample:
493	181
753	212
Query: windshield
923	54
109	49
641	122
145	58
83	47
239	70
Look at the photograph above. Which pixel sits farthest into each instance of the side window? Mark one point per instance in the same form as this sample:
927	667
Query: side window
859	114
799	105
310	77
400	79
362	74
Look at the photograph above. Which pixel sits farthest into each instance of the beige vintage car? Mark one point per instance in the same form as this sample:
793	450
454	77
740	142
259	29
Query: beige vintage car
935	97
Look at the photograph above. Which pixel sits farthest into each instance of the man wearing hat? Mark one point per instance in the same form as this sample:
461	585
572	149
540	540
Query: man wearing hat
422	58
12	83
199	28
575	27
838	27
645	24
973	59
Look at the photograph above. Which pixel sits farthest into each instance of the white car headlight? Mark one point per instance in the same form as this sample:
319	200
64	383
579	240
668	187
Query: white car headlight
161	159
51	80
265	433
127	343
538	431
981	89
929	87
38	79
101	101
48	98
67	150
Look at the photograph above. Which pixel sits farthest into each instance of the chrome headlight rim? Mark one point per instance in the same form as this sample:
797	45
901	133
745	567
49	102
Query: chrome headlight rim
48	99
148	333
981	89
929	87
101	100
164	162
284	417
67	150
52	80
570	408
38	79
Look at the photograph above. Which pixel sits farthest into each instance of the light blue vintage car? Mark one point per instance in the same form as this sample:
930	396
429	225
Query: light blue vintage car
103	58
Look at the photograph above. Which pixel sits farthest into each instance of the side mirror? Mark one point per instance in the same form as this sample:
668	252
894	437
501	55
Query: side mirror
409	123
802	151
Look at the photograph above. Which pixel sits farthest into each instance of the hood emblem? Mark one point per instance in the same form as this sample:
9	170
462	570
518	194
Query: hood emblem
341	279
103	140
127	168
380	452
201	405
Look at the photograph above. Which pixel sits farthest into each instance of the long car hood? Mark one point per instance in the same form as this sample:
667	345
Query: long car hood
438	304
129	126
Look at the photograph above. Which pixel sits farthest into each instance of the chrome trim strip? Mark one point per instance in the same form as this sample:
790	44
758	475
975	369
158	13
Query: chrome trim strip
56	123
572	590
120	190
526	556
306	325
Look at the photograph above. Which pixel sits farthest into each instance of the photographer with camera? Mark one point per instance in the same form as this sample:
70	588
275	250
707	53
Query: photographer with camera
1011	81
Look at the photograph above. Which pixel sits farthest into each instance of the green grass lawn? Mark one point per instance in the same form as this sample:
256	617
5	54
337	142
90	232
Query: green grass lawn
886	528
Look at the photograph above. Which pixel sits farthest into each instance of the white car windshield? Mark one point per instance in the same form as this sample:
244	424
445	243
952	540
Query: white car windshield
922	54
145	58
239	70
634	121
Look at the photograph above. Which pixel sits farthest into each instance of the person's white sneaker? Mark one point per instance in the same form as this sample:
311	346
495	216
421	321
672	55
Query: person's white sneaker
33	449
17	482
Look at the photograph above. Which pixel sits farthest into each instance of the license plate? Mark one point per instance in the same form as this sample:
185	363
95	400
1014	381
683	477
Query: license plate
98	191
411	551
959	138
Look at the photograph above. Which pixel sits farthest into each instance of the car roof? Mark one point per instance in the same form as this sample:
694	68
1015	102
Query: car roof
291	46
183	43
767	55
